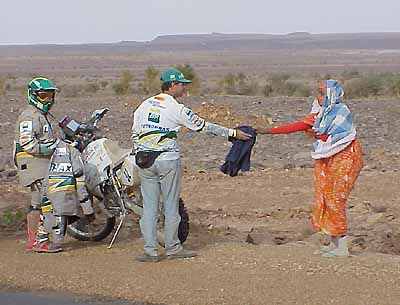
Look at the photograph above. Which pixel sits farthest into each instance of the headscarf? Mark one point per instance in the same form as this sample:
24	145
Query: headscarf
335	120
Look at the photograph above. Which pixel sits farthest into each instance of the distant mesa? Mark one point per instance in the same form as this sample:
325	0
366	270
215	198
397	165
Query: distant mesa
129	42
209	37
299	34
217	41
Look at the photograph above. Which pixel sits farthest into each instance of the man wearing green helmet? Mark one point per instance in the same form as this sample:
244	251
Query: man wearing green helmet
33	146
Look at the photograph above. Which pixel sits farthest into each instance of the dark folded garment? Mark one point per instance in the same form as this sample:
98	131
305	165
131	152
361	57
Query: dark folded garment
238	157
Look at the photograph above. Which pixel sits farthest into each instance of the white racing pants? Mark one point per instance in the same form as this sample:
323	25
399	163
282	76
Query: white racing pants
163	177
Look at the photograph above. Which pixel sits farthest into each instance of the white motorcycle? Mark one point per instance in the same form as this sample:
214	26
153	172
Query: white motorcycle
112	181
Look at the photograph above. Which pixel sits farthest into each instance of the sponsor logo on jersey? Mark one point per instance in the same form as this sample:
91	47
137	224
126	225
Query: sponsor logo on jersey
151	126
159	98
156	104
154	117
61	151
61	167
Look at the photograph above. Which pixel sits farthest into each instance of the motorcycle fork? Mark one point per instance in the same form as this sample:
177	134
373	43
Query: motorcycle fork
124	211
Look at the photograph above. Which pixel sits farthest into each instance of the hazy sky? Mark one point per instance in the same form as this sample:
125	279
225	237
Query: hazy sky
80	21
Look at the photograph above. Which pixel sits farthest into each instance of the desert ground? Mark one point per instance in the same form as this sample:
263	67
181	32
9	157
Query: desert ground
252	232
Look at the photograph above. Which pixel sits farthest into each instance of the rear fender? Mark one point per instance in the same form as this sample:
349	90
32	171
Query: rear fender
129	172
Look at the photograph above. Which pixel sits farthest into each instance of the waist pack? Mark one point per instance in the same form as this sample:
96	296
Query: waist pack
145	159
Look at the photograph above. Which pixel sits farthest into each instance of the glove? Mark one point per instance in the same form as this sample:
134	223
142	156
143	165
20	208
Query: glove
47	148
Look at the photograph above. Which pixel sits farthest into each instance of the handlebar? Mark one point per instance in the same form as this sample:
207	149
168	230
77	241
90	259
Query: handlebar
73	128
97	115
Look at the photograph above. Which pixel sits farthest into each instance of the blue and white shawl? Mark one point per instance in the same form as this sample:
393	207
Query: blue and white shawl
335	120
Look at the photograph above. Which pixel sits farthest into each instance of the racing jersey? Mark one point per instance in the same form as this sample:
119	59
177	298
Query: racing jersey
65	182
33	145
157	121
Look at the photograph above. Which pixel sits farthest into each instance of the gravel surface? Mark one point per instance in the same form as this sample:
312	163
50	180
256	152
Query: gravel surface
252	231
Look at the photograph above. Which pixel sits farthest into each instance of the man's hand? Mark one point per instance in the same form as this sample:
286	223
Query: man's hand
240	135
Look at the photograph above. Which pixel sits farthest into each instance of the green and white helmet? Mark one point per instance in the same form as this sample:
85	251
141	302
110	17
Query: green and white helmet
41	93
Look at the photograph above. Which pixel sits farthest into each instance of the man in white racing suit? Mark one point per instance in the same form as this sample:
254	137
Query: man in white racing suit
154	133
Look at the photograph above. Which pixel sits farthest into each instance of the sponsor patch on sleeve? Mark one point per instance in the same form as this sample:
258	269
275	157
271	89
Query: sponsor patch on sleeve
25	128
193	118
25	139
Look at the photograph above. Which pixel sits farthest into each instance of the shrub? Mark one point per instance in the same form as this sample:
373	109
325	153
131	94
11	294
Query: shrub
188	71
238	84
299	89
9	218
2	86
103	84
151	83
92	88
393	86
279	84
267	90
348	74
72	91
228	84
366	86
123	86
247	86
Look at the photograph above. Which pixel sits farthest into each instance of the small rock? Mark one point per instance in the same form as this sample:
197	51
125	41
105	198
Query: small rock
375	218
260	238
250	239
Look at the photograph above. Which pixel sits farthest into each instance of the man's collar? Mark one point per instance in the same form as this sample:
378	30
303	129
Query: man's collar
165	95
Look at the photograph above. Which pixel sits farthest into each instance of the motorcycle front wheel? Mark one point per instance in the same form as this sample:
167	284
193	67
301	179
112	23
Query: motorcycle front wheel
97	230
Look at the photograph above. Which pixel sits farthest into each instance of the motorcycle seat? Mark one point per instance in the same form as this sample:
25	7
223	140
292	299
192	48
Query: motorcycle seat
115	152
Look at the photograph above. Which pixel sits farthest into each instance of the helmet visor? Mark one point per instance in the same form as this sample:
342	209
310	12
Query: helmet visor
46	96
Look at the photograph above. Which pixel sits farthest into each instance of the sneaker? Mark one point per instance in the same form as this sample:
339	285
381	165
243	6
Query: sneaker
341	250
183	254
325	249
47	247
332	254
145	258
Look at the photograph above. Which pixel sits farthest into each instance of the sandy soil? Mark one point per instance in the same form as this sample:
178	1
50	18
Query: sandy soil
252	232
277	264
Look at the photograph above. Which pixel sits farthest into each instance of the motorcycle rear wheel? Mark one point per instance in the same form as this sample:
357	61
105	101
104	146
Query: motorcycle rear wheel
184	225
183	229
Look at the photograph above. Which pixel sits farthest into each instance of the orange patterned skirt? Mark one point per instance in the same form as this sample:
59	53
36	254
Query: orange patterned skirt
334	178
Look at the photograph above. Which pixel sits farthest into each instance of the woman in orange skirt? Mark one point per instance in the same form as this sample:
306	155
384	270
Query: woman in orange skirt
338	162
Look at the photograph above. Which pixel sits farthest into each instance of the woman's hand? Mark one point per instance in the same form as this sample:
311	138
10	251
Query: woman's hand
240	135
263	130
